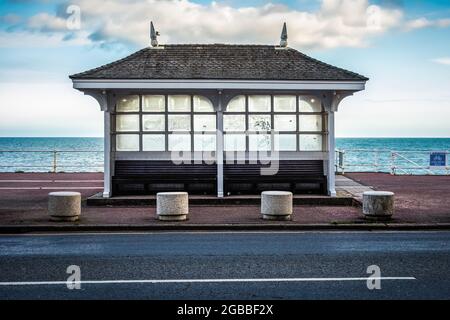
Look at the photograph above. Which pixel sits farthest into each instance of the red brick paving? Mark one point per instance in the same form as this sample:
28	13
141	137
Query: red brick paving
419	199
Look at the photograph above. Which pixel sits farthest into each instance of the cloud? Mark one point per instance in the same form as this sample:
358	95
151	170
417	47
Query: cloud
337	23
11	19
445	61
24	39
421	23
47	23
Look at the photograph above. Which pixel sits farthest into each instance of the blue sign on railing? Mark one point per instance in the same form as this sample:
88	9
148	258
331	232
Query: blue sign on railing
438	159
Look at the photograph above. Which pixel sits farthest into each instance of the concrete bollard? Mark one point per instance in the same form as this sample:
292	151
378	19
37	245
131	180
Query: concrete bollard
378	205
64	206
172	206
276	205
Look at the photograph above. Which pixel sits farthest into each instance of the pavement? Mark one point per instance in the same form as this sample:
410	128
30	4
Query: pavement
227	265
346	186
421	202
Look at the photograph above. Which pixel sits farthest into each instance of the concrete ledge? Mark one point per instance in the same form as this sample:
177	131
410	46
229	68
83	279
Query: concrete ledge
97	200
222	227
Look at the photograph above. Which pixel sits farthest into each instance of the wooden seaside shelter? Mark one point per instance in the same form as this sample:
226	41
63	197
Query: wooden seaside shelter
232	101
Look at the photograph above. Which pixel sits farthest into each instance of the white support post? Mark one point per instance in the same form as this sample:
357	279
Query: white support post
107	155
331	155
219	149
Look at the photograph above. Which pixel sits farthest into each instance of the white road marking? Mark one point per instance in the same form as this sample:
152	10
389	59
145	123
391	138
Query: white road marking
48	181
57	181
25	181
50	188
155	281
140	233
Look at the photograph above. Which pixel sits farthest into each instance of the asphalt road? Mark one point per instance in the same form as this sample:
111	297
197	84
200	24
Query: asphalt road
294	265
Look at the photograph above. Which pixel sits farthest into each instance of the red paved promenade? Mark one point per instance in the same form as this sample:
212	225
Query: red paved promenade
23	201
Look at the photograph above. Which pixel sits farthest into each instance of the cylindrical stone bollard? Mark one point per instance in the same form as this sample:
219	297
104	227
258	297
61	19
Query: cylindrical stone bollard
172	206
64	206
378	205
276	205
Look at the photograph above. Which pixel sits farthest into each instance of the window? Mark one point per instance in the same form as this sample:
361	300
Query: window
233	122
179	122
152	103
153	142
234	142
310	142
179	142
285	142
310	122
153	122
127	142
127	122
297	122
202	104
260	142
284	104
180	103
309	104
204	122
237	104
204	142
165	123
128	104
259	103
285	123
258	122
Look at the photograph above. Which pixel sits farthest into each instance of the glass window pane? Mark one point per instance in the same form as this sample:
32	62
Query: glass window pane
153	103
234	142
128	104
204	142
310	122
202	104
285	142
127	123
284	103
180	122
179	142
127	142
259	103
153	142
309	104
259	122
234	122
237	104
204	122
179	103
154	122
310	142
285	123
259	142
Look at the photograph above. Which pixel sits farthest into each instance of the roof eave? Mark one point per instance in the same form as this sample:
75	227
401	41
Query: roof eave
217	84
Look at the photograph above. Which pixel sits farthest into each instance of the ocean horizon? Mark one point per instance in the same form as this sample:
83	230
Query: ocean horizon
359	153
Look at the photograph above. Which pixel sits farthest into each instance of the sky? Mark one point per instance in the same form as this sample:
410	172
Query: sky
403	46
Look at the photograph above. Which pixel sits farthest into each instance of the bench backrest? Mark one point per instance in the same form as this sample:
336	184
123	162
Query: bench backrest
286	168
139	168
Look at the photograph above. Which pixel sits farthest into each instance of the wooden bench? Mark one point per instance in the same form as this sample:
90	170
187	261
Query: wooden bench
146	173
290	172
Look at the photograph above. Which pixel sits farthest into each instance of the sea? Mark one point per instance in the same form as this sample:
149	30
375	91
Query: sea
392	155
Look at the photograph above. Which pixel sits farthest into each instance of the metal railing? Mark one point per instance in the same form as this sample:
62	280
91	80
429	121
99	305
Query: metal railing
393	162
55	158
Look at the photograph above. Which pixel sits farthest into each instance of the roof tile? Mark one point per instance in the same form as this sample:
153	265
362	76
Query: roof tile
220	61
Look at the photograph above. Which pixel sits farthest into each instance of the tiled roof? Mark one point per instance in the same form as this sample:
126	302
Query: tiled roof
219	61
